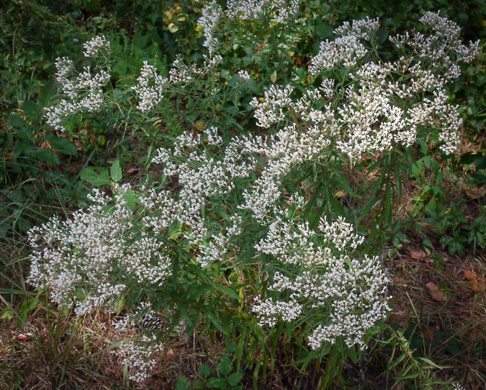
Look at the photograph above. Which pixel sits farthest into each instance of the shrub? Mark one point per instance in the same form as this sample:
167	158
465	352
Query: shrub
244	231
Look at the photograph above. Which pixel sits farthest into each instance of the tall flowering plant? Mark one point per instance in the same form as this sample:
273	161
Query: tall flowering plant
245	231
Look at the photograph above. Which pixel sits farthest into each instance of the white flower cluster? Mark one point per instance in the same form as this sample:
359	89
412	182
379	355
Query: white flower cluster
209	20
212	15
97	45
84	91
201	177
343	295
347	48
139	355
458	386
152	86
281	10
107	243
364	28
77	258
149	88
386	104
286	150
443	48
244	75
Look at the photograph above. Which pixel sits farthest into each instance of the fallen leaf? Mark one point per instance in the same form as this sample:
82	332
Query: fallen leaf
417	255
474	192
24	336
477	283
398	279
435	293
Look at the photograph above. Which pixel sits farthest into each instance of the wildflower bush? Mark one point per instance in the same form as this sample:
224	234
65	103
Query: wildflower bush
251	225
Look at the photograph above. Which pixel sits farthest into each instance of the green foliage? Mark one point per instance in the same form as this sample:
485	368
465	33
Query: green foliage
224	377
45	171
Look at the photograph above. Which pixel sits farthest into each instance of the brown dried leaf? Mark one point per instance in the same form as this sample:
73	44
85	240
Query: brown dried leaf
24	337
417	255
477	284
474	192
435	293
398	279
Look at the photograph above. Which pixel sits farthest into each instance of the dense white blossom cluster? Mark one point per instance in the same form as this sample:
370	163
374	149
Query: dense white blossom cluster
364	28
281	10
443	49
83	91
138	355
346	49
96	46
202	177
213	15
77	259
286	150
387	103
152	86
209	20
343	295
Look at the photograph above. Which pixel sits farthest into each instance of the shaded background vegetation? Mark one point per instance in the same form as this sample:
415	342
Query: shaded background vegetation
439	229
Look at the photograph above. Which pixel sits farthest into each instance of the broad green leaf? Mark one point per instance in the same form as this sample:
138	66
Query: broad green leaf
47	155
22	129
49	90
323	30
198	385
120	68
31	109
115	171
217	383
96	176
235	378
62	145
225	366
183	383
204	370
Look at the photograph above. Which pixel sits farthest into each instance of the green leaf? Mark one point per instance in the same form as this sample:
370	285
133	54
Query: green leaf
228	291
131	198
96	176
27	307
430	362
64	146
31	109
115	171
183	383
6	314
22	129
198	385
47	93
217	383
235	378
225	366
323	30
120	68
204	370
47	155
273	77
